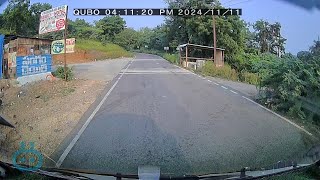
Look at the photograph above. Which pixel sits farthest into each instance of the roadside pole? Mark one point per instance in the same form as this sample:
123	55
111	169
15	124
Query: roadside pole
214	40
65	45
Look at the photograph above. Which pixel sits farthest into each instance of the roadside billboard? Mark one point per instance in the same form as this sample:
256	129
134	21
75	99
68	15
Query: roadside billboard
53	19
30	65
57	47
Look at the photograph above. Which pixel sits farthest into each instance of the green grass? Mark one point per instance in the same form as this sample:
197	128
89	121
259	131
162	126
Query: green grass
173	58
226	72
109	50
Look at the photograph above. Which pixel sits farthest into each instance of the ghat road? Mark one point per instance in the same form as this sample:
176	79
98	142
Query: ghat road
155	113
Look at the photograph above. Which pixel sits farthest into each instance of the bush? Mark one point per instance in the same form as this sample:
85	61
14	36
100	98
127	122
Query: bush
173	58
209	69
59	73
250	78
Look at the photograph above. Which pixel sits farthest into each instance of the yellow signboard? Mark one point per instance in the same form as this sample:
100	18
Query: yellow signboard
57	47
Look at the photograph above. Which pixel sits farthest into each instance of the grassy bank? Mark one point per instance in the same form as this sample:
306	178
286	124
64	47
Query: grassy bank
225	72
109	50
173	58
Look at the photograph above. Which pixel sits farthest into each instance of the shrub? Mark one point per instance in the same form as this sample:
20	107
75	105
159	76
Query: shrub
59	73
250	78
173	58
209	69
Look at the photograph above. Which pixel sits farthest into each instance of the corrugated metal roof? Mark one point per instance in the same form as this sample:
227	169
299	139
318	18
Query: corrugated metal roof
200	46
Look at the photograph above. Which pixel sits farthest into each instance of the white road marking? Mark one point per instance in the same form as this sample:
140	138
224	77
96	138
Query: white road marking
233	92
209	80
76	138
216	83
224	87
283	118
165	73
149	60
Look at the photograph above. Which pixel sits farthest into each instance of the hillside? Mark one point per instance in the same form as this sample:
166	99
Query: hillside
90	50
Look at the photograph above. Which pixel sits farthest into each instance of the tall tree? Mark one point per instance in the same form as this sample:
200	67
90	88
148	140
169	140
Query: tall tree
269	38
17	17
128	38
111	25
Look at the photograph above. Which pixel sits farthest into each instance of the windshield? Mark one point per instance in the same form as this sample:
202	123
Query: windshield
191	87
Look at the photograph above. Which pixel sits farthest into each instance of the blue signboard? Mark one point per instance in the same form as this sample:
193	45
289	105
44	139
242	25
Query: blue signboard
36	64
1	53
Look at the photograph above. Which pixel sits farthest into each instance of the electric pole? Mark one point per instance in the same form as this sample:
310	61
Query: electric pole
214	40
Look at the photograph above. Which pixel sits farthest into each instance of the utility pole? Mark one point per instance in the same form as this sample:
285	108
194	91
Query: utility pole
214	40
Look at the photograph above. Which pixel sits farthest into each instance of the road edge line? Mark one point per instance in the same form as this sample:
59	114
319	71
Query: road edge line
278	115
85	125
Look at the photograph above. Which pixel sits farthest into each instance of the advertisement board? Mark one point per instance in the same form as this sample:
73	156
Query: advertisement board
53	19
57	47
30	65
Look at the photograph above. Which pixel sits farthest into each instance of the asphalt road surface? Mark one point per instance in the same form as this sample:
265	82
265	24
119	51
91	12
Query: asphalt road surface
158	114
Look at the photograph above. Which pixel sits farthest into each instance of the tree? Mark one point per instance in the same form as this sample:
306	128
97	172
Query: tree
128	38
82	29
268	37
304	56
17	17
315	49
35	10
111	25
145	35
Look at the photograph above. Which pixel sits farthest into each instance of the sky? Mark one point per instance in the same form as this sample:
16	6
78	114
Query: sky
299	26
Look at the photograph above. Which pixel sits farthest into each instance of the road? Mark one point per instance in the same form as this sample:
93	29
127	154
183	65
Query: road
158	114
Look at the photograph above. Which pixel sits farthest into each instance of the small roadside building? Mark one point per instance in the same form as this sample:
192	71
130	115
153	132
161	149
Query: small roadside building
194	55
26	58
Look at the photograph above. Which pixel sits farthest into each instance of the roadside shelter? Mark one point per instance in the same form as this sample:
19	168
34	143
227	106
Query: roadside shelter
25	56
194	55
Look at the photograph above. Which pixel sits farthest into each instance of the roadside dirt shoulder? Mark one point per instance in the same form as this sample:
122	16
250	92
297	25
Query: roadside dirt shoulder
44	113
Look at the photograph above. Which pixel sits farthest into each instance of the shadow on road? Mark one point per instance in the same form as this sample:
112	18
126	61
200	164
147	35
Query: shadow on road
127	142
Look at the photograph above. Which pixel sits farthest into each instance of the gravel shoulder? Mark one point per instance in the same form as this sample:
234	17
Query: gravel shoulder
45	112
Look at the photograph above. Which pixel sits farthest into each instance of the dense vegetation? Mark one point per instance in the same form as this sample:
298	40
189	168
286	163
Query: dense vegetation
108	50
254	53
